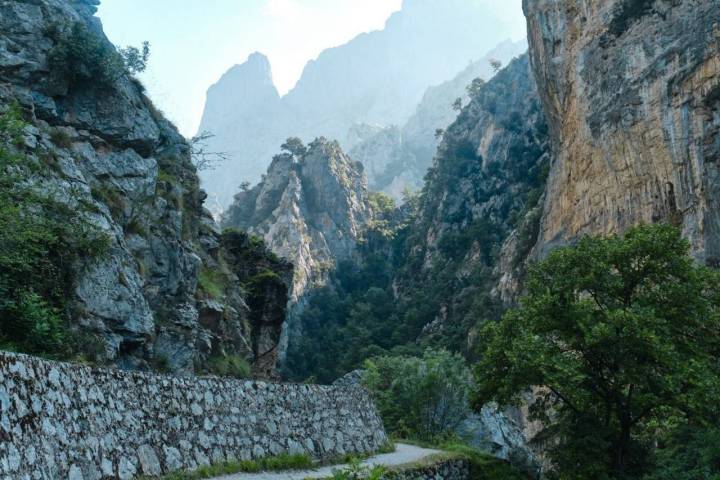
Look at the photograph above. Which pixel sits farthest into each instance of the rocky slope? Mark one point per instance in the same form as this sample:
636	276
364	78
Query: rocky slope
311	208
171	293
478	210
396	158
632	92
377	78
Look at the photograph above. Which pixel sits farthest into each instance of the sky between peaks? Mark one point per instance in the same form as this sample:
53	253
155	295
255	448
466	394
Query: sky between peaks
195	41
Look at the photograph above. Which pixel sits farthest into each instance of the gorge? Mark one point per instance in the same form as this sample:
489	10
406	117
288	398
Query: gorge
377	218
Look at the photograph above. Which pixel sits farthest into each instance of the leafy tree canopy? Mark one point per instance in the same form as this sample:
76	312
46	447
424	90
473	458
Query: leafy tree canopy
423	398
620	339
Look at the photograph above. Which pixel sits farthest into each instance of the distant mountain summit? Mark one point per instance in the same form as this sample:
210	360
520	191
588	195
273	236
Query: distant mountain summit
378	78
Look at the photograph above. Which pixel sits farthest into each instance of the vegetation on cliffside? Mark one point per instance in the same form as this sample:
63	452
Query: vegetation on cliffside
41	241
425	273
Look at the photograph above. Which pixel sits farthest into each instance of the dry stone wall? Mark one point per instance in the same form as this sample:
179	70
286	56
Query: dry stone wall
445	469
62	421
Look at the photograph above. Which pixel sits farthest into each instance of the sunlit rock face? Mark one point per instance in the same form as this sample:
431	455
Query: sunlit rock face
632	92
311	209
378	78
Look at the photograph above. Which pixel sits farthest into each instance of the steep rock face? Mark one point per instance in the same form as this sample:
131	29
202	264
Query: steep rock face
479	205
310	208
106	153
378	78
632	93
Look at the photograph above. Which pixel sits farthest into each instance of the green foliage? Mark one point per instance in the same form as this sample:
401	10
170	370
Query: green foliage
474	88
689	454
41	241
233	366
135	59
424	398
83	57
385	210
357	471
212	282
257	282
294	146
482	465
60	138
112	198
623	335
382	203
278	463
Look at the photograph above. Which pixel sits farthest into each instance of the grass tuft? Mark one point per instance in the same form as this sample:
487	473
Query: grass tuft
269	464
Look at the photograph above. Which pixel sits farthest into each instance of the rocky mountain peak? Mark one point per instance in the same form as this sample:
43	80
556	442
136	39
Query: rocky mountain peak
311	208
256	72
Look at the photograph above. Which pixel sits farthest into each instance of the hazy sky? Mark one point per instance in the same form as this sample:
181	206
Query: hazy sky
195	41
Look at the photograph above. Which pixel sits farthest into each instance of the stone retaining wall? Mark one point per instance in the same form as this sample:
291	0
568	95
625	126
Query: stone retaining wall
446	469
60	421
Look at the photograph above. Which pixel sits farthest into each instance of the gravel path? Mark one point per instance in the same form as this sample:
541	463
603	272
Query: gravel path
403	454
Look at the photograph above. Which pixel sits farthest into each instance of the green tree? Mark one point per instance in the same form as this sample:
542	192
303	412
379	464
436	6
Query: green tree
135	59
457	104
294	146
619	337
424	398
689	454
475	87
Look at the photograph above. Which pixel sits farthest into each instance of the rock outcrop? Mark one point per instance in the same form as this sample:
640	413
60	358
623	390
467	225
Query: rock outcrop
168	294
378	78
632	93
310	208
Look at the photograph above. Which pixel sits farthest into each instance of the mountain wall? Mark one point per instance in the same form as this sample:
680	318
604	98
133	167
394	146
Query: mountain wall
170	291
478	211
632	93
378	78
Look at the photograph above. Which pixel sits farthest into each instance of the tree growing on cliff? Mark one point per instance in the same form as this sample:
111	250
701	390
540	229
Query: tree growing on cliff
294	146
620	339
202	156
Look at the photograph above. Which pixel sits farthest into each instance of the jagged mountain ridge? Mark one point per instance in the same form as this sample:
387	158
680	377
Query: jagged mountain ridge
377	78
169	293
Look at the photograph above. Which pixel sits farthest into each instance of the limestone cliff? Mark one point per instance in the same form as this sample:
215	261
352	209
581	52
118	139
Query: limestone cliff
632	93
169	293
310	208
